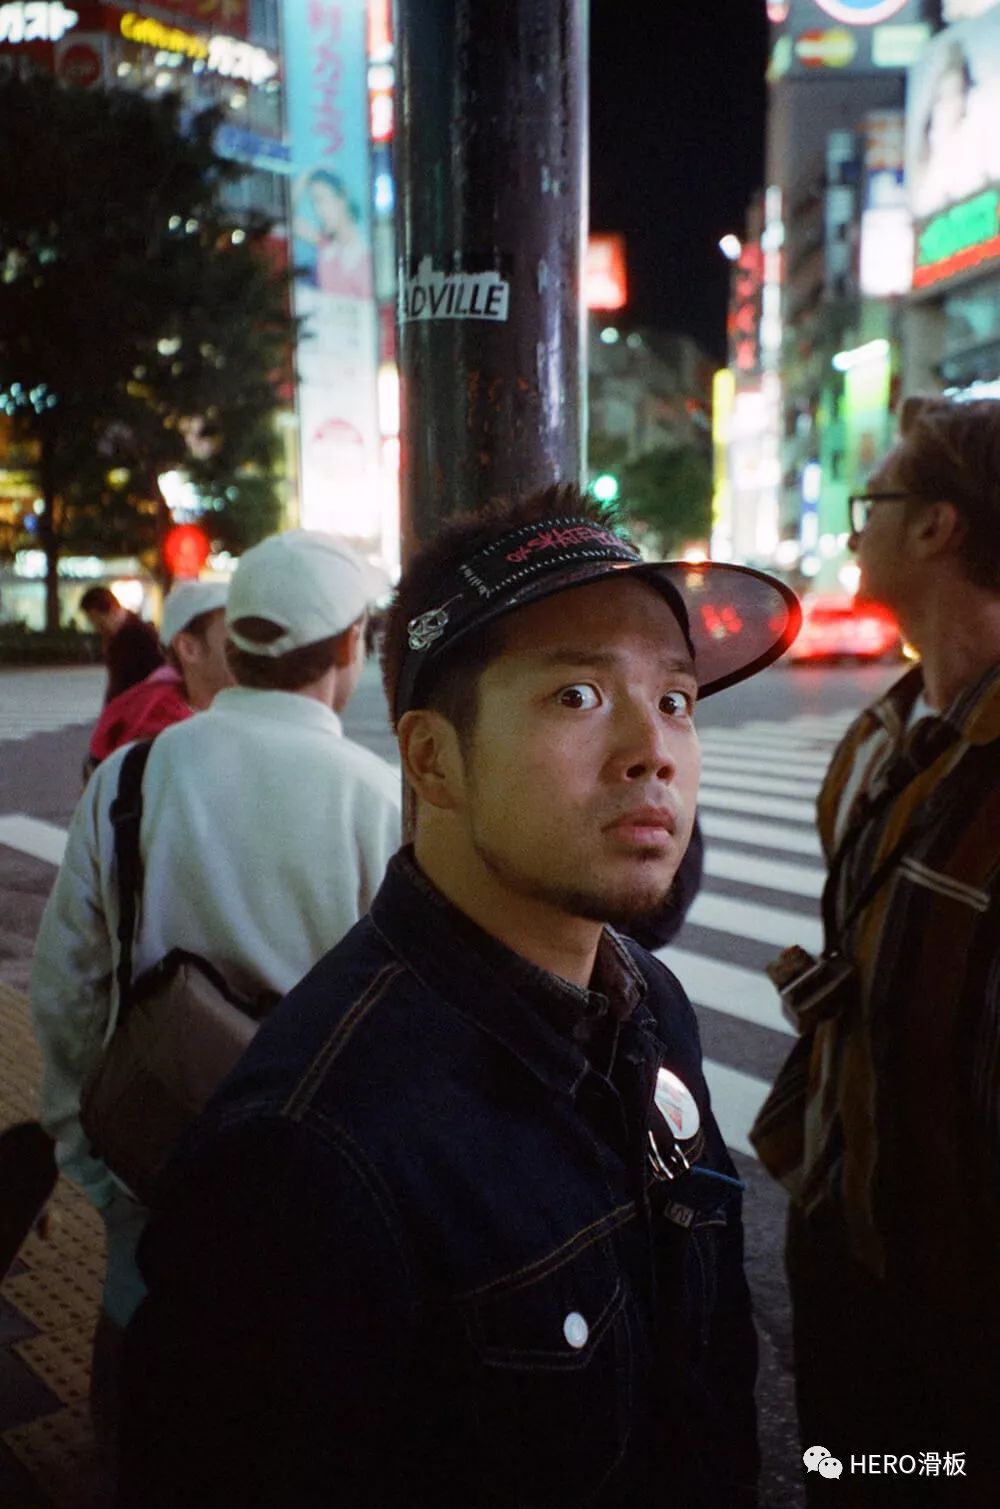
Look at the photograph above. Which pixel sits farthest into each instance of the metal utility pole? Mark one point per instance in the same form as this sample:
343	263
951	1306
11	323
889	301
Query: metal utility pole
492	215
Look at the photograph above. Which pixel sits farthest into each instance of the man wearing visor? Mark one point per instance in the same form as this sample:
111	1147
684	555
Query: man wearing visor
461	1228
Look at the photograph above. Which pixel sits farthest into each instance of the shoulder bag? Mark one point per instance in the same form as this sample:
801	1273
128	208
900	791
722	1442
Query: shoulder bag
180	1028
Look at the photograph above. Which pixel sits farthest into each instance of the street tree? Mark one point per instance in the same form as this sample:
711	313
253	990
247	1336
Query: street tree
143	326
667	494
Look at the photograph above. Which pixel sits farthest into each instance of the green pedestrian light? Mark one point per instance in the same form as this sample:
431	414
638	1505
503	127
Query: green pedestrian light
605	487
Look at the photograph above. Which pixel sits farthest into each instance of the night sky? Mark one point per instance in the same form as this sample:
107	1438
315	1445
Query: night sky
676	147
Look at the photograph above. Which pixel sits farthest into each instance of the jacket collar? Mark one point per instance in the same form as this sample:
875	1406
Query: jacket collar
278	707
529	1011
973	716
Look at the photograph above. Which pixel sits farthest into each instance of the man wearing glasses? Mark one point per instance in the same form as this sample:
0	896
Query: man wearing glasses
885	1122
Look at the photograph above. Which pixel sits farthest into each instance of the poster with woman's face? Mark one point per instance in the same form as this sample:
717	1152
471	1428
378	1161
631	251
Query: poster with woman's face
339	448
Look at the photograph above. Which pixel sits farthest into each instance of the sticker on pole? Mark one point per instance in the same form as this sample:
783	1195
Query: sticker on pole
431	295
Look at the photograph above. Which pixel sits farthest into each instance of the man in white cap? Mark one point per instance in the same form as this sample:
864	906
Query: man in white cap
193	635
264	836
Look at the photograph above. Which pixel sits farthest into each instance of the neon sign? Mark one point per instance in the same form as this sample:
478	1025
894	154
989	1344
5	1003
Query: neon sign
226	56
35	21
861	12
961	238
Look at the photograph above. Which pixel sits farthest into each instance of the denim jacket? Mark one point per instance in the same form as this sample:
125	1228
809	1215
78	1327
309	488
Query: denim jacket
415	1252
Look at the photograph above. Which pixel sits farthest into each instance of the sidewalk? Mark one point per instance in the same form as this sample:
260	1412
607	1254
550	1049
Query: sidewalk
48	1307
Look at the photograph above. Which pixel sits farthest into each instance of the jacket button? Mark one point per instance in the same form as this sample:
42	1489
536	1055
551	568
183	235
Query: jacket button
576	1330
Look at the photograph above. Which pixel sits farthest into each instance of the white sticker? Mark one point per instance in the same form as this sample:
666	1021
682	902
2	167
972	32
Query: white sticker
677	1105
433	295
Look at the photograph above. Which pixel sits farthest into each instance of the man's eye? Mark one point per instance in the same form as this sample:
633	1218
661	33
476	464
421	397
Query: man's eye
677	704
579	696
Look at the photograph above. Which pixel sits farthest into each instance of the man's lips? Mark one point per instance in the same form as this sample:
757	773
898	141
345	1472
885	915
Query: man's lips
645	820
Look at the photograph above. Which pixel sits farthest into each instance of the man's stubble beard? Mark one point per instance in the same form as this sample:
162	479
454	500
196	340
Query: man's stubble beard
616	908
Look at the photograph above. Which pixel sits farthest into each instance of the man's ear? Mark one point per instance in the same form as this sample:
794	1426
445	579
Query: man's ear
346	652
185	646
940	529
431	757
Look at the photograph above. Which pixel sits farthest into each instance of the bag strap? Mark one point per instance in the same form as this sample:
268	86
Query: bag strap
126	816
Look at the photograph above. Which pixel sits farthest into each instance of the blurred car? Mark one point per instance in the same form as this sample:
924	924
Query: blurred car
835	626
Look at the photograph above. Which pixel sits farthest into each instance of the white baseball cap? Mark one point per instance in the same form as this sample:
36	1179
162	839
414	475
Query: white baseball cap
187	601
312	585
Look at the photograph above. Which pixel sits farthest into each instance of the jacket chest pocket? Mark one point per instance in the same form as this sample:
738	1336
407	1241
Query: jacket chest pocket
553	1365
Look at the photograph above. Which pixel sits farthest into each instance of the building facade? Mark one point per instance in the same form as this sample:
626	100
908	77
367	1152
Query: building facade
306	92
832	240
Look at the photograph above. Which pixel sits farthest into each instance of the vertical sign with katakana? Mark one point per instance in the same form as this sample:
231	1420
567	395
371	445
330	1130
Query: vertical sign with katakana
331	252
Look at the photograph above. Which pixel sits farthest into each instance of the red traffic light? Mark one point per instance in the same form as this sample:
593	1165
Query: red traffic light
186	548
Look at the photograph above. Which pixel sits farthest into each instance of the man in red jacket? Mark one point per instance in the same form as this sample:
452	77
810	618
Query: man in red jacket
193	633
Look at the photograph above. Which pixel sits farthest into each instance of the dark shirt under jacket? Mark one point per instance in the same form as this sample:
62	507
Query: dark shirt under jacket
414	1254
130	654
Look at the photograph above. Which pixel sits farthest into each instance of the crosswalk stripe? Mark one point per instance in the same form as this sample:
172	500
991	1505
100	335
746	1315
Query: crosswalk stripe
731	741
748	919
830	724
31	836
711	795
747	780
812	766
744	830
775	874
736	1099
744	993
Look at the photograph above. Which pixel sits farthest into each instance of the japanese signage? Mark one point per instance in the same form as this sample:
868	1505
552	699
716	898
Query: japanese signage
743	323
327	98
227	56
35	21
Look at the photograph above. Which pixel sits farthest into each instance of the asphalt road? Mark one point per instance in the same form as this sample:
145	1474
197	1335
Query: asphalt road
765	746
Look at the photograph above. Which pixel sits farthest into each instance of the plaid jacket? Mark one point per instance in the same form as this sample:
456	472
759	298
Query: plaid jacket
888	1111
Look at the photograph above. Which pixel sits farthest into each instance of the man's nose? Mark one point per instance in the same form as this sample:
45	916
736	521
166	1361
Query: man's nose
644	743
854	540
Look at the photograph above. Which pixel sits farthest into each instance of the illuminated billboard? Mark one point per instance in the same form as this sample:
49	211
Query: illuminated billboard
865	411
861	12
218	15
815	37
604	281
744	317
953	117
886	259
958	240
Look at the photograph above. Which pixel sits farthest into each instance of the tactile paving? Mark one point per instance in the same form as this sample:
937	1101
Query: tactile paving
54	1287
20	1059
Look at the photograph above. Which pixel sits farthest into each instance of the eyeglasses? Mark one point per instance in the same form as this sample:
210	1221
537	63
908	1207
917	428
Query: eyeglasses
861	505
